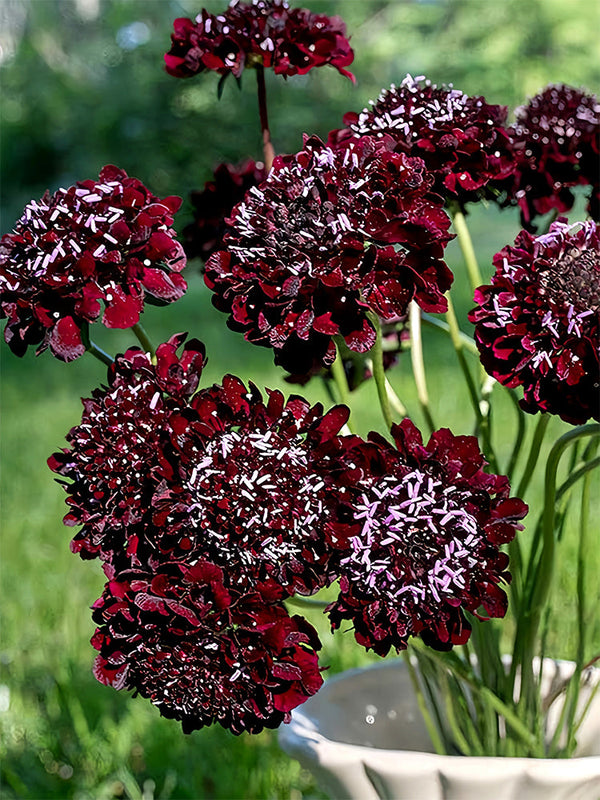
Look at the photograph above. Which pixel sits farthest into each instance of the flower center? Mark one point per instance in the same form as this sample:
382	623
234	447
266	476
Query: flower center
417	543
256	489
574	280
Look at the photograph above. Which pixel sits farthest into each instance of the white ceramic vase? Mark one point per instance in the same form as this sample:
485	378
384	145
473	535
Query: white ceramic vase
363	738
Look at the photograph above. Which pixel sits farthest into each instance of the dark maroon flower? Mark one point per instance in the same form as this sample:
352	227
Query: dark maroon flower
312	251
114	451
268	32
248	485
99	242
215	203
429	522
537	324
156	477
461	139
202	651
556	143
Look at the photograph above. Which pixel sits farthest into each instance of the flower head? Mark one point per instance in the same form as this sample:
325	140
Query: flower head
202	651
313	250
428	525
537	325
113	455
157	477
215	203
249	485
461	139
556	142
291	40
107	242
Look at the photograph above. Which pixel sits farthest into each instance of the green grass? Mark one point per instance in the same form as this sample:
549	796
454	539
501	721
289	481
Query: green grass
66	736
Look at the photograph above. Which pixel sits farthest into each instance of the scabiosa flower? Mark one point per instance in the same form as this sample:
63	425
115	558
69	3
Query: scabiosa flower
461	139
249	486
312	250
112	458
215	203
99	242
537	324
429	523
555	140
202	651
268	32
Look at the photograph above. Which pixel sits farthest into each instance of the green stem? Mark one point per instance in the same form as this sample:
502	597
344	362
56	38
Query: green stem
143	339
268	149
418	365
341	382
576	475
585	545
444	327
434	735
455	336
487	695
514	456
541	587
466	246
534	454
98	353
379	371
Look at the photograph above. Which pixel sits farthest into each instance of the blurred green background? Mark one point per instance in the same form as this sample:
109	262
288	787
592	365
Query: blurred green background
83	85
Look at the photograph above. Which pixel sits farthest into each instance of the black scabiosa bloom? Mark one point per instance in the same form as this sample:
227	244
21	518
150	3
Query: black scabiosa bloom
537	324
428	525
248	485
331	235
461	139
291	41
113	456
556	143
106	243
203	651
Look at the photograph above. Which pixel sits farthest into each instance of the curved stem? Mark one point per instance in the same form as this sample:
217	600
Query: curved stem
585	544
436	740
534	454
379	371
143	339
541	586
98	353
418	365
455	335
341	382
514	456
466	246
438	324
577	475
269	152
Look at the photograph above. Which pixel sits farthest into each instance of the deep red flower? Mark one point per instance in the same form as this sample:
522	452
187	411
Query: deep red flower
461	139
248	485
537	324
99	242
215	203
429	523
556	142
157	477
313	250
202	651
113	455
291	40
